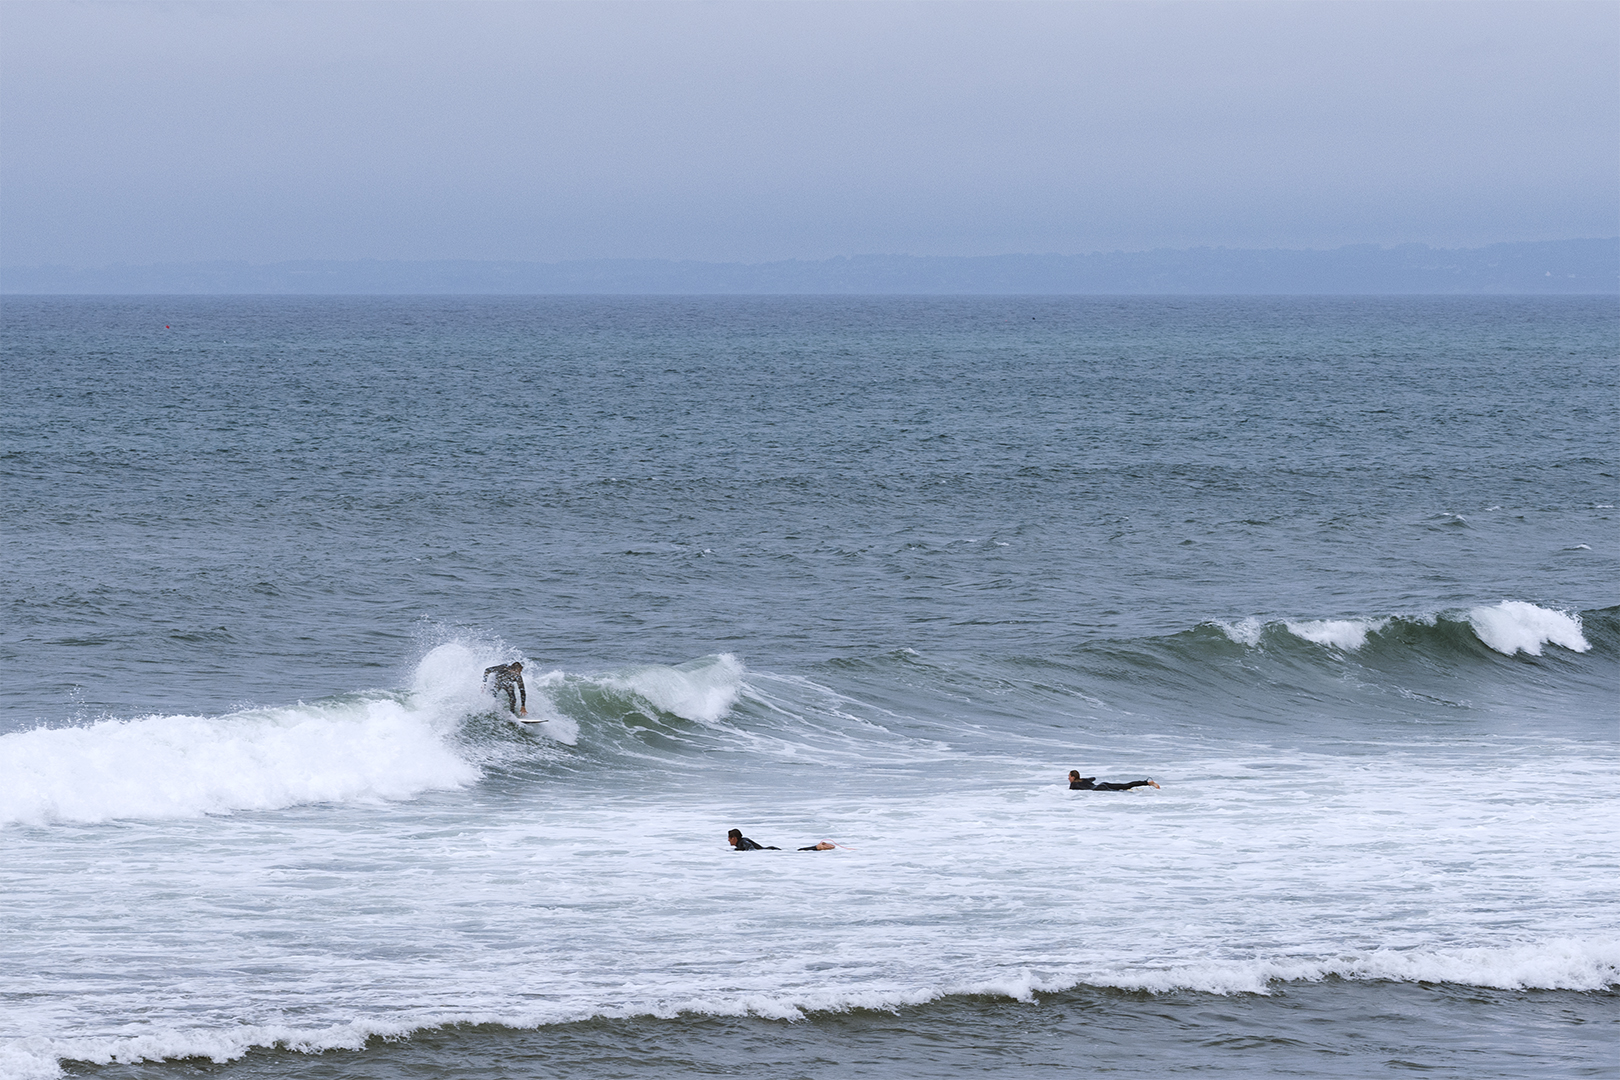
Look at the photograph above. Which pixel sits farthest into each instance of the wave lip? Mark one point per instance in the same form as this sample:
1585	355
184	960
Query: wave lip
1510	627
1514	626
1346	634
701	690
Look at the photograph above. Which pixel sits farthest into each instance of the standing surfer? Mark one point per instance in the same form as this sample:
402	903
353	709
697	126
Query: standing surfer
509	680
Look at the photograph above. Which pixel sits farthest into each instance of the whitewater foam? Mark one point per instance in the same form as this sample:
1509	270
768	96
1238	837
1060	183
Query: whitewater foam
1245	632
377	745
1240	876
1346	634
1560	964
449	683
367	746
1509	627
188	766
1514	626
38	1058
702	690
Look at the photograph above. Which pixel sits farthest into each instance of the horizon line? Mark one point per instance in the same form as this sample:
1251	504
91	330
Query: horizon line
233	261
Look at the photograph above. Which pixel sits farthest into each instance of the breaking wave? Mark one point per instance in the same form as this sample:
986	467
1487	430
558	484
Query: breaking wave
1563	964
1508	628
439	734
442	732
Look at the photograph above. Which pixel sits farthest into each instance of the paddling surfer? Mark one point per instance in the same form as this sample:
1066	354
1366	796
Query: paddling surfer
509	681
1089	783
739	842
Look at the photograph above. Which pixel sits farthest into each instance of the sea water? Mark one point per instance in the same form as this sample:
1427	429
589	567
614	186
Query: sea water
1339	574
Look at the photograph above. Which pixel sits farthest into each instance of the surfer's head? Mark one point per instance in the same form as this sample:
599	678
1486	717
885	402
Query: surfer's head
1074	774
732	836
516	665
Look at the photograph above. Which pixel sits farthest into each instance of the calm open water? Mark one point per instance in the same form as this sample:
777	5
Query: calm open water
1340	574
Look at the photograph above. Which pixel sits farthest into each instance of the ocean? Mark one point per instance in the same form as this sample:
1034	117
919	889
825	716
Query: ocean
1341	575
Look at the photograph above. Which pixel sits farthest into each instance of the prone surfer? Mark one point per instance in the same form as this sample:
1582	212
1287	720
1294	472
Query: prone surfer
509	681
1089	783
739	842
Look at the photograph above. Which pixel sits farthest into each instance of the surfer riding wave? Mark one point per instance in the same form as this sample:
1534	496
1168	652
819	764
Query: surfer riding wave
509	681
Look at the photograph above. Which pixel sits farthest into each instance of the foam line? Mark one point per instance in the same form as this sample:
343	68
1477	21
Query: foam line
1562	964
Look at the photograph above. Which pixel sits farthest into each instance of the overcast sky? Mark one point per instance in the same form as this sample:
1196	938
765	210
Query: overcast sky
138	132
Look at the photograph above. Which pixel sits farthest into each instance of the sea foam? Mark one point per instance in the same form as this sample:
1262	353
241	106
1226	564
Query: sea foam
702	690
38	1058
1560	964
188	766
1515	626
1346	634
1509	627
375	745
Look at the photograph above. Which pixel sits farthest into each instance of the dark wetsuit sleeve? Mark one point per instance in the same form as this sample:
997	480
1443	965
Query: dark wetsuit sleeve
1123	787
745	844
523	693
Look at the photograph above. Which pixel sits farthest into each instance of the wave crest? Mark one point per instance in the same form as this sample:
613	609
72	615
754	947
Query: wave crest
1510	627
1514	626
181	766
702	691
1346	634
376	745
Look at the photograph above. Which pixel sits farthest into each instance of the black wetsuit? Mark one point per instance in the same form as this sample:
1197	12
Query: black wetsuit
745	844
1089	783
510	683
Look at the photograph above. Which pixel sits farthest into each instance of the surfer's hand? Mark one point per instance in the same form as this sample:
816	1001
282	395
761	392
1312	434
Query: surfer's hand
523	712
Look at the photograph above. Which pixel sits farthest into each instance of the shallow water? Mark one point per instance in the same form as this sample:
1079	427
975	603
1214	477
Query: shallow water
1321	1029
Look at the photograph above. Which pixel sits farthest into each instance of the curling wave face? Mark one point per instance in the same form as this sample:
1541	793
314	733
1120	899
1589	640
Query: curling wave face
438	735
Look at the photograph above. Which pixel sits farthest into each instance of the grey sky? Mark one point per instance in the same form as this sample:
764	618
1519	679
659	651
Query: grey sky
752	131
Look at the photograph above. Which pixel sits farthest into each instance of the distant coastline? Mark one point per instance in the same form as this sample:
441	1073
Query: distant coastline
1557	267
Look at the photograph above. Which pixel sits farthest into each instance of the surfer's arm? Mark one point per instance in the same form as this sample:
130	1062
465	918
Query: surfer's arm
523	695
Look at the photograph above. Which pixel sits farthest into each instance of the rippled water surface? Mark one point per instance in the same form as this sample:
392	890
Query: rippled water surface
1338	574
